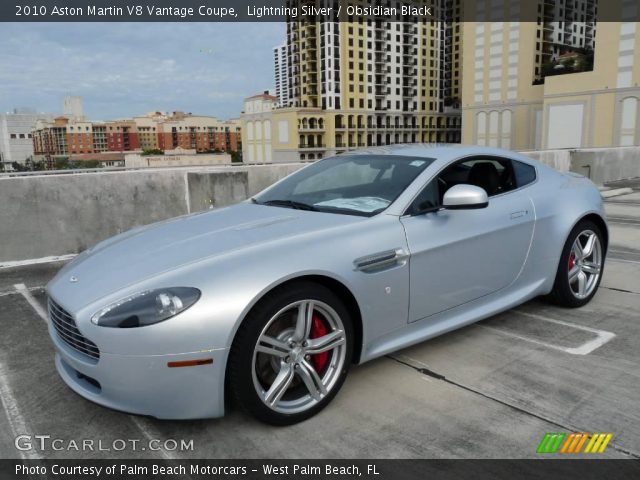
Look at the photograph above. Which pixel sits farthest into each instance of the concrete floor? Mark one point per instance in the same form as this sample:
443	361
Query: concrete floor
491	390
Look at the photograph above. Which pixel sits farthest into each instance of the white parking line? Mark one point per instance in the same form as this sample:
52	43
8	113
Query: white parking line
36	261
148	431
622	260
17	423
13	291
586	348
151	433
624	223
22	289
625	252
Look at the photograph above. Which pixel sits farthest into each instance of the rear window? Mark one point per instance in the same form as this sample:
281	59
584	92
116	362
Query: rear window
525	174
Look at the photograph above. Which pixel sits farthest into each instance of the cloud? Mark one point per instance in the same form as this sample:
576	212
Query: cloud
125	69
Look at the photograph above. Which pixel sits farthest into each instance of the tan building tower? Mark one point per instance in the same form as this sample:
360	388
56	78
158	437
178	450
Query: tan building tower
369	80
565	81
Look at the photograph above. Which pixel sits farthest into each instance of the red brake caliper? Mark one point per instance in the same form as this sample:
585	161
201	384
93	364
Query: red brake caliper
572	261
318	329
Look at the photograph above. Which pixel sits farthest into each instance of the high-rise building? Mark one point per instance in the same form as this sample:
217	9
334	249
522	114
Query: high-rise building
563	81
281	74
72	108
16	143
369	80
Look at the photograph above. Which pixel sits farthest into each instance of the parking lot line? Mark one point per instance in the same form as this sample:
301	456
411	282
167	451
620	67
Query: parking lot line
22	289
151	434
148	432
17	423
622	260
37	261
586	348
14	292
625	252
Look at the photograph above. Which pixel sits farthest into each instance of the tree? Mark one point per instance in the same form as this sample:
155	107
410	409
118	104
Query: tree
236	157
62	163
86	164
152	151
18	167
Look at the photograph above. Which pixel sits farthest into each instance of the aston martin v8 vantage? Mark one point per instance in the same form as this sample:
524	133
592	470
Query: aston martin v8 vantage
268	303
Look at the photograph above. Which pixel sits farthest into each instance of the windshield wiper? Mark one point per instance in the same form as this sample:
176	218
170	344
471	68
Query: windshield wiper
290	204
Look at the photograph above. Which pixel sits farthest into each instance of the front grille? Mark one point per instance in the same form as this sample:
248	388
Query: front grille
66	328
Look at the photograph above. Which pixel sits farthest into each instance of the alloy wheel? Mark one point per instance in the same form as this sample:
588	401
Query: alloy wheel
299	356
585	264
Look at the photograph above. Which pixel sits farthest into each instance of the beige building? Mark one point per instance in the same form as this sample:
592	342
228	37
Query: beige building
257	121
521	91
363	82
148	131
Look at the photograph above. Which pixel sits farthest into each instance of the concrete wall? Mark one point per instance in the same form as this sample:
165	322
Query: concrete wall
601	165
558	159
135	160
49	215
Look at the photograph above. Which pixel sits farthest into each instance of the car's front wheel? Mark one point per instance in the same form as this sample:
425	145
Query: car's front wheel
291	354
581	264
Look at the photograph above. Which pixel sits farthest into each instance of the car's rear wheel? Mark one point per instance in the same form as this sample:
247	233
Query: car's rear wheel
291	354
581	264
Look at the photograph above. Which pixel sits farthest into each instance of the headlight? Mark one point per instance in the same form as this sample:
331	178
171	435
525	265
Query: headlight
147	308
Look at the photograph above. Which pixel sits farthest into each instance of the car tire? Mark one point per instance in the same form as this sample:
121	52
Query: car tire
581	265
275	371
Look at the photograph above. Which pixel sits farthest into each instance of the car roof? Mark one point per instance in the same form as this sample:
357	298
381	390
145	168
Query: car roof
443	152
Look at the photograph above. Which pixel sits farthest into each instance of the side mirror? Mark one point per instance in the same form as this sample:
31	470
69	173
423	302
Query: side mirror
463	197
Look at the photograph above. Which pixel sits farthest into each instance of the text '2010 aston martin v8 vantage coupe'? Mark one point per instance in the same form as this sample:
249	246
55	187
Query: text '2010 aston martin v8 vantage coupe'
268	303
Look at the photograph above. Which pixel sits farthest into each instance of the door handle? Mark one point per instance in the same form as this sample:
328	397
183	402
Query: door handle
518	214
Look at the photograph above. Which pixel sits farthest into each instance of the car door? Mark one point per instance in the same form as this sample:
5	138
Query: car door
457	256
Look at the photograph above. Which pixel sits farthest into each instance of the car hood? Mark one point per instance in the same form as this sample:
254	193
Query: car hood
141	253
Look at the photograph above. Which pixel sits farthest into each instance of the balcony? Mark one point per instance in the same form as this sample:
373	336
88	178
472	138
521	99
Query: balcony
317	146
308	129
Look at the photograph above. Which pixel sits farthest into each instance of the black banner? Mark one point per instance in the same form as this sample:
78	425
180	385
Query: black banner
584	469
283	10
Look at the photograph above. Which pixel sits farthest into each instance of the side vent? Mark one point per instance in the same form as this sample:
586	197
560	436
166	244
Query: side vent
381	261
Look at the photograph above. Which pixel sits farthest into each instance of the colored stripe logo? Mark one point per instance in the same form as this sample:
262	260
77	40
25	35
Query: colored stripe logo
573	443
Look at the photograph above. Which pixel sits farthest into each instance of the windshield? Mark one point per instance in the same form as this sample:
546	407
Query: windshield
357	184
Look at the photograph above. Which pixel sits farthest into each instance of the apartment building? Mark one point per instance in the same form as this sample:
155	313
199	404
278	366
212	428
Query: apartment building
50	138
147	127
564	81
200	133
281	74
368	81
66	136
16	143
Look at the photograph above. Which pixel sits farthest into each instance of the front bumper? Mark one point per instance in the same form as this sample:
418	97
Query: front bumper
144	384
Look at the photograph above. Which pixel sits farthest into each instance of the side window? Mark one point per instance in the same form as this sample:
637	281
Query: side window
494	175
525	174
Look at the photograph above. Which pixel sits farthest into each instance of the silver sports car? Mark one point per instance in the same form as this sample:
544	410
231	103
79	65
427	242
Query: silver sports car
269	302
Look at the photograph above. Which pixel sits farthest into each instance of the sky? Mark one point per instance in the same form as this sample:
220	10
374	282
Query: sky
125	69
